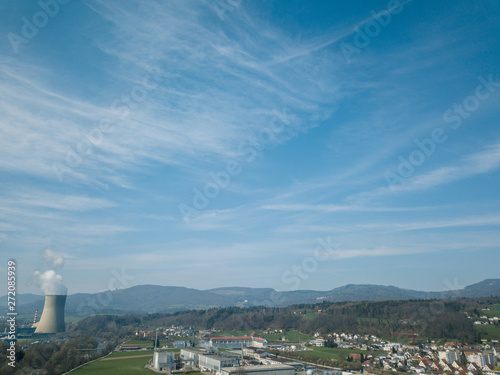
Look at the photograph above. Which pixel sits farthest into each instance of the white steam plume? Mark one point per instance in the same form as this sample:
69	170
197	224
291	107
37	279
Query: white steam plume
53	259
50	282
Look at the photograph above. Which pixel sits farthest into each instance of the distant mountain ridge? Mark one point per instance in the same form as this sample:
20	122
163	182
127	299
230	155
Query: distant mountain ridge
143	299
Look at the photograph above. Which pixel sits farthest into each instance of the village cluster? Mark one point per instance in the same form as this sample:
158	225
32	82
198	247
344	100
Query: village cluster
230	355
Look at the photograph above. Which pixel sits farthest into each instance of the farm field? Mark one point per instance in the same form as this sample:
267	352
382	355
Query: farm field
488	332
131	353
122	366
494	310
291	335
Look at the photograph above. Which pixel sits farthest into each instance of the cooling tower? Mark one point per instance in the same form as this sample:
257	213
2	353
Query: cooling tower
52	319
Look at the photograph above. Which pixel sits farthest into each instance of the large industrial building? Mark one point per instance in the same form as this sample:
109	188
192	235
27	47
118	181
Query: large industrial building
236	342
52	320
190	355
215	363
207	361
260	370
163	361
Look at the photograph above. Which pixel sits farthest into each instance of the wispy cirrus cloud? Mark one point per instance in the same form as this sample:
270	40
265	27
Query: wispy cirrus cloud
482	162
38	199
217	83
198	112
338	208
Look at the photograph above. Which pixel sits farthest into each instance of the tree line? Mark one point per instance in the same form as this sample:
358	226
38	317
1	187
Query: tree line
436	319
429	319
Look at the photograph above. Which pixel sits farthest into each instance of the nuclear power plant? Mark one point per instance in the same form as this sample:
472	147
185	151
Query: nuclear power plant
52	320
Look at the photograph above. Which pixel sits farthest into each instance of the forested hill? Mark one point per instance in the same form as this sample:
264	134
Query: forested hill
146	299
428	319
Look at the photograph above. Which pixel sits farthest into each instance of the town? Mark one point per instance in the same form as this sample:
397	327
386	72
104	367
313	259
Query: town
209	351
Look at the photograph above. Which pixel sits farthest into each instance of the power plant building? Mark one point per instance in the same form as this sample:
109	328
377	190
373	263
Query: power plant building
190	356
163	361
215	363
52	320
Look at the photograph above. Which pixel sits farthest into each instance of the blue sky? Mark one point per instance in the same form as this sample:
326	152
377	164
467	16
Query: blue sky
208	143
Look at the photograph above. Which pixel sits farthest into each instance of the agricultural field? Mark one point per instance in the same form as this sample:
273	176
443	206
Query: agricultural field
121	363
310	316
494	311
296	336
273	337
118	366
489	331
291	335
318	354
131	353
141	343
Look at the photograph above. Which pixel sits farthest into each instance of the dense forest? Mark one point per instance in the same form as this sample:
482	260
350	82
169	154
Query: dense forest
436	319
55	357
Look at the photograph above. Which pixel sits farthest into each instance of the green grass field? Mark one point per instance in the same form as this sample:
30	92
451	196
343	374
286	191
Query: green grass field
292	336
296	336
488	331
140	352
125	366
316	354
310	316
141	343
494	311
131	353
271	337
